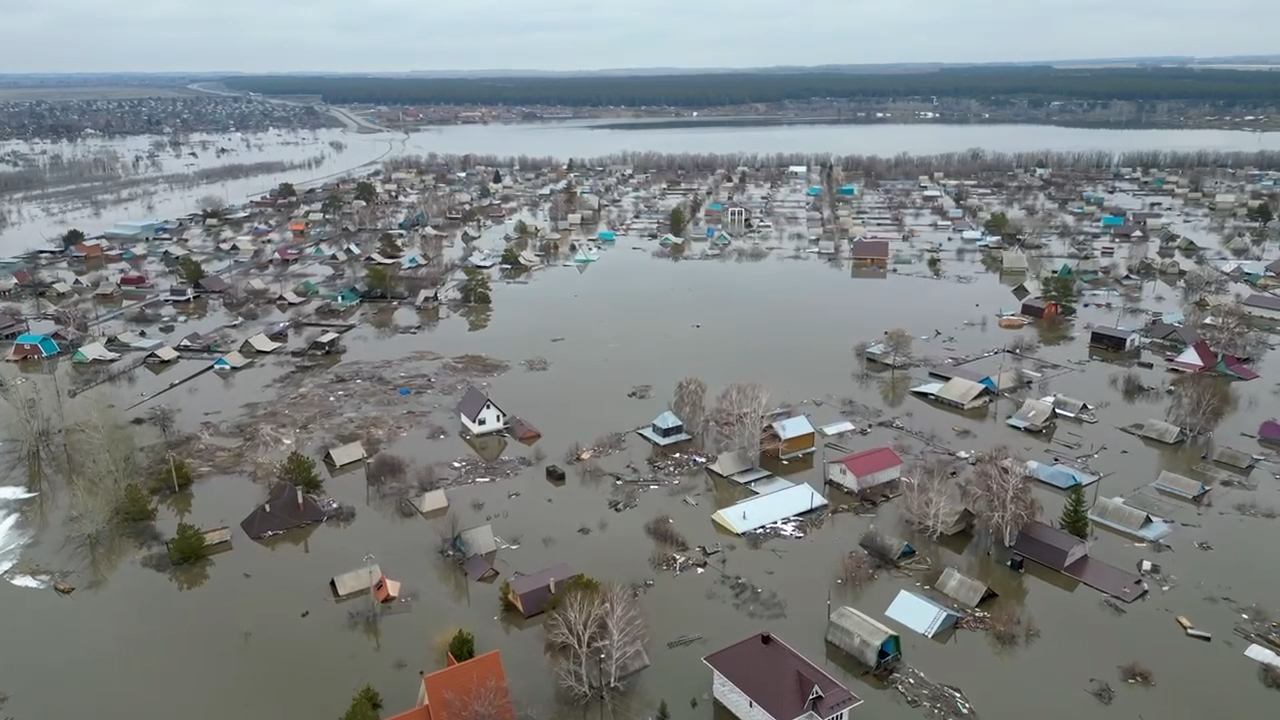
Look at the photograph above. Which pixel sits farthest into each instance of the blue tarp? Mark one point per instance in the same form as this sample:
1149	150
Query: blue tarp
1063	477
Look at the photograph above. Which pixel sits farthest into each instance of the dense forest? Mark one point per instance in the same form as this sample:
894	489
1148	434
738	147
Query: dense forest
1228	88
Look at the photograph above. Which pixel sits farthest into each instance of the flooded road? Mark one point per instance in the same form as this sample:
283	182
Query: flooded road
32	227
224	645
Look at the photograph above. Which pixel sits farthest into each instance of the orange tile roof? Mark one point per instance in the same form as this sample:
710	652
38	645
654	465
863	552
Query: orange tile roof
454	693
418	713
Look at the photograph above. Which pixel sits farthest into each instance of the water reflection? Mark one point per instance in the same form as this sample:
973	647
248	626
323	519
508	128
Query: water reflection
478	317
191	575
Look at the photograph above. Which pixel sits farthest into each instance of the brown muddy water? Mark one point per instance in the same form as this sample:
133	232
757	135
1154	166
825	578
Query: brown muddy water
236	643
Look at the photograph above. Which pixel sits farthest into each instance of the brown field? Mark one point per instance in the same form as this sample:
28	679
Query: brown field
91	92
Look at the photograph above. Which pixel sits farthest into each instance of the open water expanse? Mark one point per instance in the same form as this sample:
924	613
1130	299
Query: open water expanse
257	635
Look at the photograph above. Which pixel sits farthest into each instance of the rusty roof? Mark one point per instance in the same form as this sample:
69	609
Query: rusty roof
477	685
779	679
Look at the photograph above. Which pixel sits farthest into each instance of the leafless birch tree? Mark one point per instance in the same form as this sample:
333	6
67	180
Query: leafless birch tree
1228	329
1199	403
738	418
33	434
624	632
689	403
898	341
598	633
1000	495
929	499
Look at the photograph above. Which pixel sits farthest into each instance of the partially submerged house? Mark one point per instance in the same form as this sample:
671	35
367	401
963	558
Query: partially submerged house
1039	309
865	469
1180	485
1071	408
864	638
959	393
1113	339
231	361
763	678
1232	458
792	437
1048	546
666	429
1114	514
761	510
30	346
869	253
355	581
163	354
882	354
431	501
1059	475
530	593
966	591
327	343
286	508
1157	430
94	352
736	467
345	454
1033	416
885	547
921	614
261	343
479	414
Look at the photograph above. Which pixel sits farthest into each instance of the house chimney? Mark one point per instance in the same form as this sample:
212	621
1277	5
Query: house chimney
765	638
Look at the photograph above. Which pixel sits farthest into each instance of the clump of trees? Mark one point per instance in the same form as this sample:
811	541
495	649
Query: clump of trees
930	499
1199	402
366	192
662	530
689	403
381	279
72	237
510	256
462	646
135	506
300	470
738	418
1000	495
598	632
678	219
190	270
365	705
1060	290
475	288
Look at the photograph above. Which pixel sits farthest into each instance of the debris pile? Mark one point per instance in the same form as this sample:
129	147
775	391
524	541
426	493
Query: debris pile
937	701
467	470
537	364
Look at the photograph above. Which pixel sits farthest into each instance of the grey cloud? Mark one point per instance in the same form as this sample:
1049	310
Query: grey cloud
397	35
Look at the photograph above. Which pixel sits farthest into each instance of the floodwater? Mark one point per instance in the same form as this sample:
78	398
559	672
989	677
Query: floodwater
226	646
567	139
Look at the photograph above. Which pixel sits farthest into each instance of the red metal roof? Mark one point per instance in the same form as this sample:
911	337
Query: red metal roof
869	462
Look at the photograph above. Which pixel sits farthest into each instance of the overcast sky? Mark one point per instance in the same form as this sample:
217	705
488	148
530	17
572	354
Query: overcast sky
401	35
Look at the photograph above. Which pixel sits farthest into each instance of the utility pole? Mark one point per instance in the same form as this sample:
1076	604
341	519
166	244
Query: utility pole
173	472
373	597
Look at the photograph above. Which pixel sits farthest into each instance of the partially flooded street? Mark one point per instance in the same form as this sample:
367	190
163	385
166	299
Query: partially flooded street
594	343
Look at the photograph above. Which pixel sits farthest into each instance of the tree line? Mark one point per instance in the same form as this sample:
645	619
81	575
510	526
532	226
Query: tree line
1224	87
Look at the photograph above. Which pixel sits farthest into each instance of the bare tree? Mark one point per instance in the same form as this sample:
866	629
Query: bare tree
1000	495
690	402
164	418
738	418
1228	329
1199	403
929	499
624	633
574	628
490	700
33	434
209	203
898	341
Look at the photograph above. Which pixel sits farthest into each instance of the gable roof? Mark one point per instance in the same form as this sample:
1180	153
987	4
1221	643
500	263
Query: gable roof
479	683
869	249
287	507
473	401
779	679
793	427
869	462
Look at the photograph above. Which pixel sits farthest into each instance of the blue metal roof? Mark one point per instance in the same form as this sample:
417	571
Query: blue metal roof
1062	477
920	614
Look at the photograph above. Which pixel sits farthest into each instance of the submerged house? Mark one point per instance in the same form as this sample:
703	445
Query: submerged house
1033	416
479	414
231	361
1039	309
1157	430
921	614
286	508
1114	514
865	469
461	689
345	455
881	353
736	467
530	593
761	510
763	678
1050	547
1059	475
29	346
1071	408
1113	339
959	393
1180	485
869	253
963	589
865	639
666	429
791	438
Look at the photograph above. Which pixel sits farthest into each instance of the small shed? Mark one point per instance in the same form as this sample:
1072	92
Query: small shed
666	429
921	614
735	466
1232	458
1158	430
431	501
963	589
261	343
474	541
231	361
1180	485
327	343
884	546
867	640
1039	308
794	436
1113	339
345	454
164	354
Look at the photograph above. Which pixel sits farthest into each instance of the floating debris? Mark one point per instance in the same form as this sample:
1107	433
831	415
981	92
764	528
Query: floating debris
937	701
537	364
640	392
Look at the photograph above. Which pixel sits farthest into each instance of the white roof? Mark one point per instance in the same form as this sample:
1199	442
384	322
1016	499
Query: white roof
263	344
761	510
346	454
97	351
165	353
793	427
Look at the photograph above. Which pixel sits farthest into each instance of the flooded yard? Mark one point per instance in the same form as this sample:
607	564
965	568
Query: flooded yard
261	617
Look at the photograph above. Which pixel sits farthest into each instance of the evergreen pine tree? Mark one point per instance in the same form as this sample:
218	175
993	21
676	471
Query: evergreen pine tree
1075	516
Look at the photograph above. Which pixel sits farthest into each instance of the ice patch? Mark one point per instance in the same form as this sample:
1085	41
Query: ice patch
13	538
